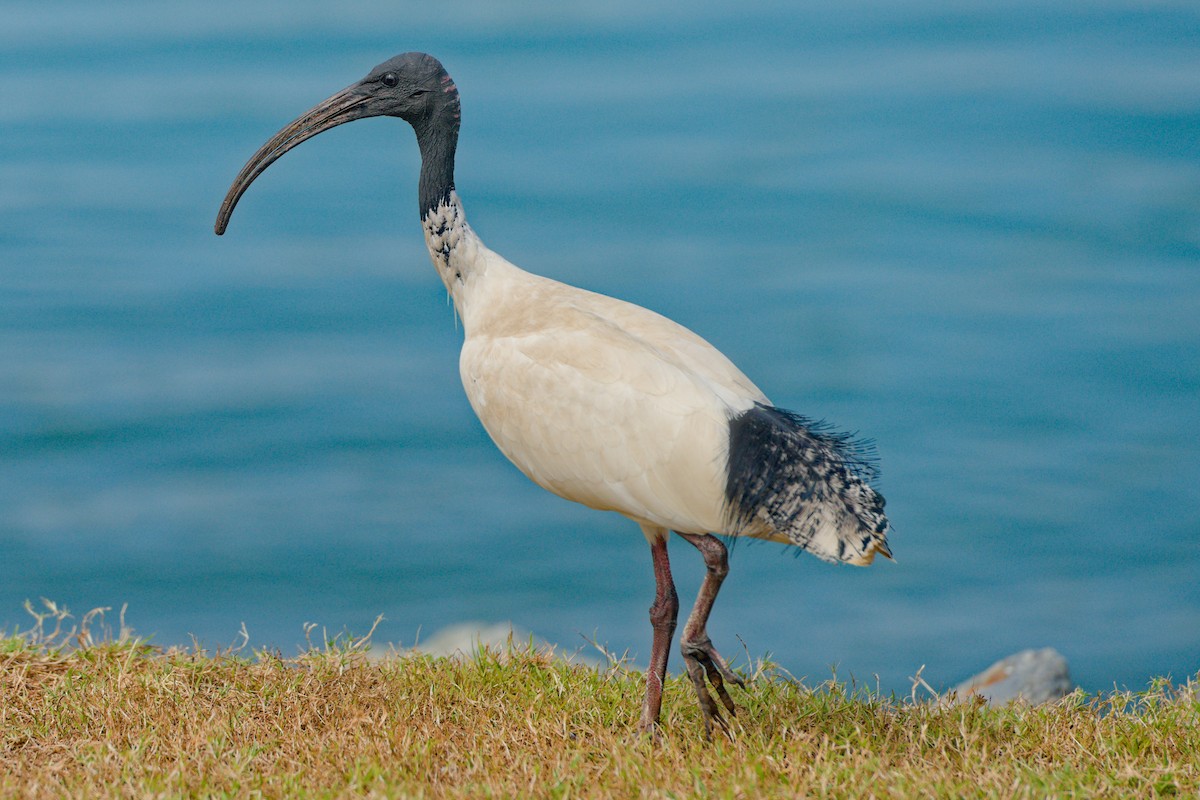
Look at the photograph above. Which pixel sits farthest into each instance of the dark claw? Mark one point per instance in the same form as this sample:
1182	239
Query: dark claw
703	659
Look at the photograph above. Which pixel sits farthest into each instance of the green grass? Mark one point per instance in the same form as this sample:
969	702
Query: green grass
119	718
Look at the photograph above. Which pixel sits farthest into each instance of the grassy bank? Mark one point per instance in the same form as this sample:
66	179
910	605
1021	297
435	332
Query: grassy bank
123	719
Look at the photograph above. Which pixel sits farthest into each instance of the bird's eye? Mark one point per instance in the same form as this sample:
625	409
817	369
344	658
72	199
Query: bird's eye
389	79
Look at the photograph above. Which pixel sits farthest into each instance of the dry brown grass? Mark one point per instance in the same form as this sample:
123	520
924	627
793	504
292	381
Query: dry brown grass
122	719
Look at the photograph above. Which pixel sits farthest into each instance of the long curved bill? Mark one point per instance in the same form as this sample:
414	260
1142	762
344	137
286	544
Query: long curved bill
345	106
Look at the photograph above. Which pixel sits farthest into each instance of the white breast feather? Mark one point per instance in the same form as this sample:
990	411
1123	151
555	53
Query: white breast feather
600	401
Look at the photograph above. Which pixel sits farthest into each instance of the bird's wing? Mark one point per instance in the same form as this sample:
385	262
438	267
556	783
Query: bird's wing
598	415
507	301
690	350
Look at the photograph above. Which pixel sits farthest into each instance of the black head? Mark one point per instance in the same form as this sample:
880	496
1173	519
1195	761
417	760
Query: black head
412	86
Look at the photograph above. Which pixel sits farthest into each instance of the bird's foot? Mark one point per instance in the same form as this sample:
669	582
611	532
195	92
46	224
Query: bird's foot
703	661
649	732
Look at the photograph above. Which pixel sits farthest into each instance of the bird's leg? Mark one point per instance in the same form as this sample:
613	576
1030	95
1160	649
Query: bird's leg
663	615
699	655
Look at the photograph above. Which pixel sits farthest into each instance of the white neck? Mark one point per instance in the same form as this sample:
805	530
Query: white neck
472	273
453	246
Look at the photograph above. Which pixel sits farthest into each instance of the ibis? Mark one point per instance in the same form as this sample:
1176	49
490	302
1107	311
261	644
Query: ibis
611	405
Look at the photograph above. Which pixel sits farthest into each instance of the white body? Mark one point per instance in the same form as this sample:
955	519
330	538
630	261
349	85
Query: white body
598	400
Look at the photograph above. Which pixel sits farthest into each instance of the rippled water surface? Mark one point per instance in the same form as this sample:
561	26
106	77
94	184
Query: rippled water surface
970	232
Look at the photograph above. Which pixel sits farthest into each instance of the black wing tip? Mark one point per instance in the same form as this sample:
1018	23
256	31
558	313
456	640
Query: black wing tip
771	448
859	453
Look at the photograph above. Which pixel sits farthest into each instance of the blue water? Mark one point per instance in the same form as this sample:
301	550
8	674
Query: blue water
971	232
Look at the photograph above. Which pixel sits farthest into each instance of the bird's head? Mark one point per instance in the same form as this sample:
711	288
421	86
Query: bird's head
412	86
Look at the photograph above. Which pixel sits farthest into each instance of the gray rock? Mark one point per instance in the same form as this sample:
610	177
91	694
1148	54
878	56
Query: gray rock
1032	676
464	639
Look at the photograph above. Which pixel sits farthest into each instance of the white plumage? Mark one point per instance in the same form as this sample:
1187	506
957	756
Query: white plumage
610	405
597	400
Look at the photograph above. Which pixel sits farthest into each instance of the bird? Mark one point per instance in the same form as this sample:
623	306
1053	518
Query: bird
611	405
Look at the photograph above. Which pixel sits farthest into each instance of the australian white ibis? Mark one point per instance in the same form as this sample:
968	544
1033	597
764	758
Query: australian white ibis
611	405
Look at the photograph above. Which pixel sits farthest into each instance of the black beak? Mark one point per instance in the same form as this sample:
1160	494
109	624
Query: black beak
345	106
